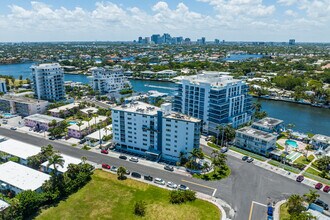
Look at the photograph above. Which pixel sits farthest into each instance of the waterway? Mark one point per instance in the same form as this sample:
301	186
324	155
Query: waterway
304	117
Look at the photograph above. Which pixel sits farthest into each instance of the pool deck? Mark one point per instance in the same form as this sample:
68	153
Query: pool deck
301	146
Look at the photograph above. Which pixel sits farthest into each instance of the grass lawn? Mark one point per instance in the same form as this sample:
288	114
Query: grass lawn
302	159
105	197
284	212
213	145
248	153
283	166
313	171
280	147
215	174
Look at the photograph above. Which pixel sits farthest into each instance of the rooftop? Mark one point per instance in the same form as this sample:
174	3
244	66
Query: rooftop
91	110
321	138
22	177
256	133
46	65
43	118
267	122
96	135
3	205
67	160
215	79
18	149
182	117
22	99
64	107
138	107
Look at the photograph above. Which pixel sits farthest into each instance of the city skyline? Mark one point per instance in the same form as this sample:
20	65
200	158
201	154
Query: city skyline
230	20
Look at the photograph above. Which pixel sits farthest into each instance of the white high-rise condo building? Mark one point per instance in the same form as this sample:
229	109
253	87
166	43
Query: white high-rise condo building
106	80
154	132
48	81
215	98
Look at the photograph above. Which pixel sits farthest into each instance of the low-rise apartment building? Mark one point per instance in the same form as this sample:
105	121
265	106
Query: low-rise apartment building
271	125
254	140
65	110
22	106
85	128
154	132
321	142
40	122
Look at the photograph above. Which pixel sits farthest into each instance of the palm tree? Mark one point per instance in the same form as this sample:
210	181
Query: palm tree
47	151
121	172
311	196
55	160
79	124
196	153
83	159
295	204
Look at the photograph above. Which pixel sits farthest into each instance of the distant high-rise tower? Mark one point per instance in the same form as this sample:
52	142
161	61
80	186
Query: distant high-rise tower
292	42
48	81
217	41
140	41
155	38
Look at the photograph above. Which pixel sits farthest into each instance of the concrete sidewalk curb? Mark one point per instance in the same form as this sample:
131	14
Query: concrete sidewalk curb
277	209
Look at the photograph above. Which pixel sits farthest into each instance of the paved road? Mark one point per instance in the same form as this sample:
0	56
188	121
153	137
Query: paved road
247	182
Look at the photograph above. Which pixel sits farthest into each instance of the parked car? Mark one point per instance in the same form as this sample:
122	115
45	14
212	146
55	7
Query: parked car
149	178
169	168
208	138
326	189
224	150
134	159
183	187
322	204
104	151
106	166
13	128
171	185
123	157
114	169
270	211
250	160
300	178
318	186
82	141
245	158
52	138
136	175
127	172
159	181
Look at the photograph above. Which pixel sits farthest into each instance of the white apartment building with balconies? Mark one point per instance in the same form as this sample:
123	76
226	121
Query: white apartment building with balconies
154	132
215	98
48	81
106	80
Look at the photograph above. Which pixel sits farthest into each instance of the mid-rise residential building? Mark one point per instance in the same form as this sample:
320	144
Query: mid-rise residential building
22	106
48	81
214	98
154	132
271	125
254	140
3	86
321	142
106	80
18	178
40	122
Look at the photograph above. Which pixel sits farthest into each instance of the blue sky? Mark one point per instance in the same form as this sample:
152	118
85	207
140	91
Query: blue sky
239	20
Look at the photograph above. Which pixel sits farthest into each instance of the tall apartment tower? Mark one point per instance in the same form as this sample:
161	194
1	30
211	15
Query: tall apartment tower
48	81
215	98
154	132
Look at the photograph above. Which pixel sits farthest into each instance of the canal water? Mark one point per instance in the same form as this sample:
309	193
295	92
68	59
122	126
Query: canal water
304	117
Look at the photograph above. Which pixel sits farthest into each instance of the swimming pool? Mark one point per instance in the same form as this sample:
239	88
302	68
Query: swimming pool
291	143
7	115
72	122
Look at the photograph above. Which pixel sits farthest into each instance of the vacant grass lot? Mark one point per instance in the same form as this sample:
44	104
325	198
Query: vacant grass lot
284	212
105	197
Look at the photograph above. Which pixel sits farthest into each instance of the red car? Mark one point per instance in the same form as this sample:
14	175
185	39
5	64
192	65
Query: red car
106	166
318	186
104	151
326	189
300	178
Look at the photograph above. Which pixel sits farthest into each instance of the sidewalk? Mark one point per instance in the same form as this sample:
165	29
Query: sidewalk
277	209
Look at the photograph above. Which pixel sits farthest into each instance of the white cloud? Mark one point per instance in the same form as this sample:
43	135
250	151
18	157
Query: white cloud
291	13
287	2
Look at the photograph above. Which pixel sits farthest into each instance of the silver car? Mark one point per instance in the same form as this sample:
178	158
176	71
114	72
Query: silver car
171	185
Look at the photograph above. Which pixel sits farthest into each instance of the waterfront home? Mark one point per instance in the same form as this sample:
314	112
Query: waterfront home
40	122
254	140
16	177
321	142
85	128
64	111
271	125
13	148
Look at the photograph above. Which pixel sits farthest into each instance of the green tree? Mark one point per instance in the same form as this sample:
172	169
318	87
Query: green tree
121	171
29	201
311	196
323	163
295	204
55	160
140	208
